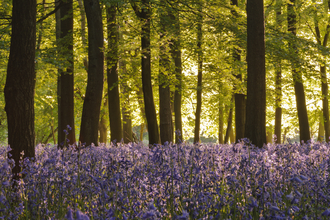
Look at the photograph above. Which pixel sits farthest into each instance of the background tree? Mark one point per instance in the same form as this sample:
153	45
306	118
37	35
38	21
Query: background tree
93	97
165	113
144	14
176	56
66	75
200	73
238	93
112	73
323	71
255	128
20	82
278	80
297	77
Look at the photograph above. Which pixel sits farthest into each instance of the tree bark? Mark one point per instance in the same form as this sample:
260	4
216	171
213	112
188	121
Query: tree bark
126	108
199	76
20	83
176	56
278	82
102	124
93	97
229	122
324	79
66	77
297	78
255	127
220	135
239	97
145	17
321	132
113	84
165	113
83	29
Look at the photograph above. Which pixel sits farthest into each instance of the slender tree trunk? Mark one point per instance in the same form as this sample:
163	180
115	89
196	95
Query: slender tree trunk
176	56
278	82
145	16
297	78
229	122
324	79
20	83
199	76
321	132
93	97
255	127
58	37
66	86
165	114
126	108
112	61
232	135
220	135
103	122
325	103
239	98
83	29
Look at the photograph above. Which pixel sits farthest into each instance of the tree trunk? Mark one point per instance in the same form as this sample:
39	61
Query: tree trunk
93	97
325	103
66	75
220	135
320	136
232	135
229	122
278	82
297	78
126	108
112	61
141	131
145	16
324	83
83	29
199	76
255	127
176	56
103	123
20	83
239	98
165	114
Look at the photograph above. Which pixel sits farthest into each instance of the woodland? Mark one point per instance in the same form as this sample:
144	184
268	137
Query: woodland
164	109
192	77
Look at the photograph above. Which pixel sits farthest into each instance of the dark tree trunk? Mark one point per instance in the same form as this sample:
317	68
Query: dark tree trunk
66	86
239	98
278	82
103	122
255	127
320	136
199	76
324	79
325	103
126	108
176	56
83	29
20	82
229	122
165	113
220	135
58	37
297	78
145	16
93	97
112	61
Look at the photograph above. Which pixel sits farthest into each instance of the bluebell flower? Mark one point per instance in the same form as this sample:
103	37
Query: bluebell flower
326	212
